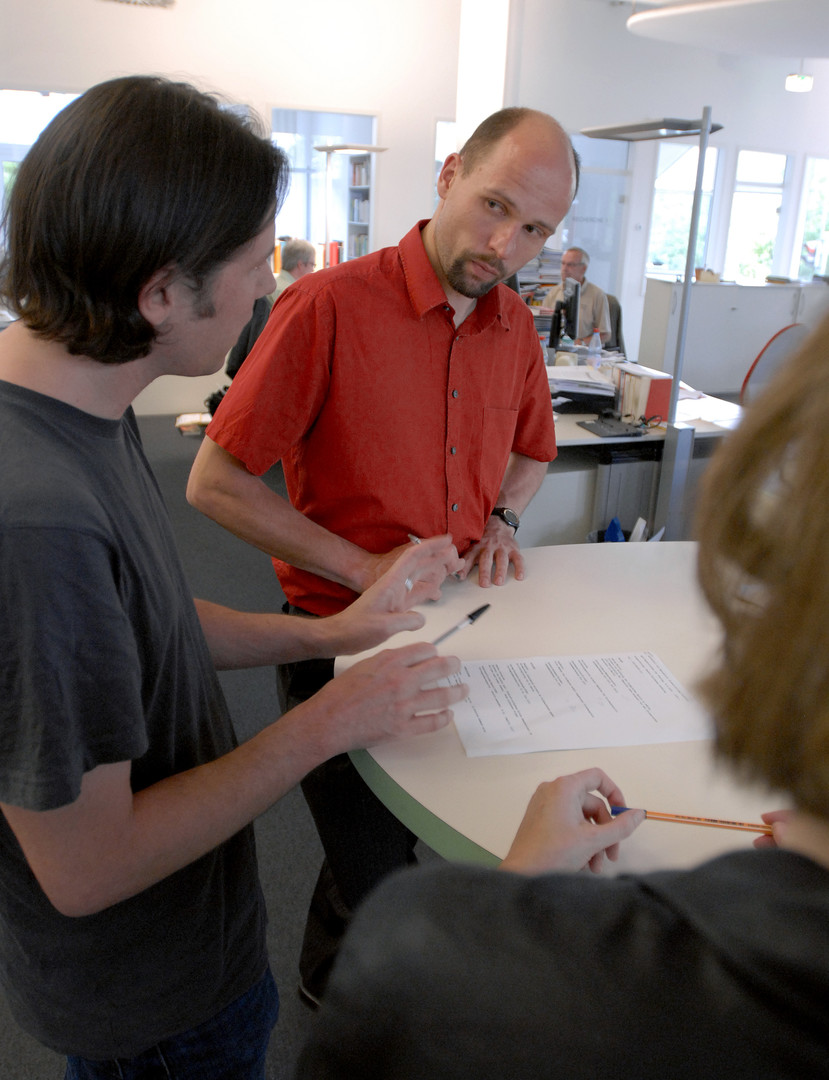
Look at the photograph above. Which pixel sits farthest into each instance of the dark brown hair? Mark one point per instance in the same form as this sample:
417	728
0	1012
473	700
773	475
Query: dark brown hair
137	174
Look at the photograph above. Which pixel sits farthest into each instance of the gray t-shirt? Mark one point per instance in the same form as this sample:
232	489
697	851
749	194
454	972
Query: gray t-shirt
102	659
459	973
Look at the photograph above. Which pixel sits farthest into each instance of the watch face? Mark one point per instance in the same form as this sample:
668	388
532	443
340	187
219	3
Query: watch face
508	515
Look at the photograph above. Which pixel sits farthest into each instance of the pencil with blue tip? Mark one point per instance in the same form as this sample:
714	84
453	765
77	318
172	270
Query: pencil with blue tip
688	819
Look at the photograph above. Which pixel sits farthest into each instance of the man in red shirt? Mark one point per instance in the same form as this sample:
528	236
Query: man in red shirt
405	394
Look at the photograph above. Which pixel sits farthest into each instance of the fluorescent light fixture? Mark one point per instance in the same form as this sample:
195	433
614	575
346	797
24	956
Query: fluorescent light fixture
669	128
799	84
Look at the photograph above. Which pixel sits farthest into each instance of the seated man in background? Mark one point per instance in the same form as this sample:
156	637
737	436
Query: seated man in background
298	259
458	973
132	922
594	313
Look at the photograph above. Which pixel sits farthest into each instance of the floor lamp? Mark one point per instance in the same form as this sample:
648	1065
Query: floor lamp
679	440
340	148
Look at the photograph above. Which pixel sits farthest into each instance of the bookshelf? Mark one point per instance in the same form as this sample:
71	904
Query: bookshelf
359	167
358	226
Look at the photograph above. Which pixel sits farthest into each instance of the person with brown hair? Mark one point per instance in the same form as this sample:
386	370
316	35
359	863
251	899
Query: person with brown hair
132	921
457	973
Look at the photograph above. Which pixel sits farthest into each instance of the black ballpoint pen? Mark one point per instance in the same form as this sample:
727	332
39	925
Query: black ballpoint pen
468	621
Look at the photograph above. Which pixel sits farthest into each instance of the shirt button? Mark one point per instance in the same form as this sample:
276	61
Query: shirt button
454	393
453	450
455	507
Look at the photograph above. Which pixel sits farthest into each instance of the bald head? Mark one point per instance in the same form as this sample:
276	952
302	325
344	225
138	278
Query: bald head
501	196
500	124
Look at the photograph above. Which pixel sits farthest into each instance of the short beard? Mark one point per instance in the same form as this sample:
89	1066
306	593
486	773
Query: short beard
457	278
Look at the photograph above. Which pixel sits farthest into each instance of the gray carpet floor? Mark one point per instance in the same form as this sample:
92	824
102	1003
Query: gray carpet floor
224	569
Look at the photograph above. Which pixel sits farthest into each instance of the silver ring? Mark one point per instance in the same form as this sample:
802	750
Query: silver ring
409	584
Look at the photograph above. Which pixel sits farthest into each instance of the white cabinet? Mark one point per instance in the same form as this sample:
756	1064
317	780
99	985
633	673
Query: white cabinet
728	325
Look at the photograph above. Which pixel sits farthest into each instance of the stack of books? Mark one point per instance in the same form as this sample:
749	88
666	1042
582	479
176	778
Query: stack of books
643	392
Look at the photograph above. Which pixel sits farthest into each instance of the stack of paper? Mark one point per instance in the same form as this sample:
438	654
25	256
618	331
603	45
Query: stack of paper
565	381
574	702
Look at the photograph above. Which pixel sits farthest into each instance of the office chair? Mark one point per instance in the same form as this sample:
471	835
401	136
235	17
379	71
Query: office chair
773	354
615	341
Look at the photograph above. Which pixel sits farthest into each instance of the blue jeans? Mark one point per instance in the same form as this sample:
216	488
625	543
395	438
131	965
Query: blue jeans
230	1046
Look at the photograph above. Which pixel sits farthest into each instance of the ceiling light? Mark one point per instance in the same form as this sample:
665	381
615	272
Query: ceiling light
147	3
669	128
799	84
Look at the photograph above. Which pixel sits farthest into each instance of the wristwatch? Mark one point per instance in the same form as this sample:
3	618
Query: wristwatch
507	515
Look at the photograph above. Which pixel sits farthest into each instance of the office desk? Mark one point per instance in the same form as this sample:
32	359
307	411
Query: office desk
594	479
591	598
710	417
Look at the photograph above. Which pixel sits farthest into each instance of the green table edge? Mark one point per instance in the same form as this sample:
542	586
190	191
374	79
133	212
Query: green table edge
440	837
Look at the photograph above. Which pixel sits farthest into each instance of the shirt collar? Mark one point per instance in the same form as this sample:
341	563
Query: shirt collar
426	292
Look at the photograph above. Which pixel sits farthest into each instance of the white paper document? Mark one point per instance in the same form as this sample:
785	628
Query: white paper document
573	702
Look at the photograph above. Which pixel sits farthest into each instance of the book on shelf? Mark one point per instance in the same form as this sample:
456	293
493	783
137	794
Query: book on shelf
643	391
357	245
359	172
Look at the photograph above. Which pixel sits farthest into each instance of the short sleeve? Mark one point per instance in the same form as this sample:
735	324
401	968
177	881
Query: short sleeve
70	683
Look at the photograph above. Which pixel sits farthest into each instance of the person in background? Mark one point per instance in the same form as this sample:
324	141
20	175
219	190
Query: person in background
298	259
132	922
594	313
717	971
405	394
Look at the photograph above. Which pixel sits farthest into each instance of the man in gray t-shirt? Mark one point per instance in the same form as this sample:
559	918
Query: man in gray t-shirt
131	918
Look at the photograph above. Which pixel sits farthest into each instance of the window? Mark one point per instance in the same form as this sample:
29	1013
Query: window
596	218
755	217
676	177
23	115
297	132
814	233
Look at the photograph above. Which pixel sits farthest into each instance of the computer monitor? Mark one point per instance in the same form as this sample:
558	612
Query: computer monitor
566	314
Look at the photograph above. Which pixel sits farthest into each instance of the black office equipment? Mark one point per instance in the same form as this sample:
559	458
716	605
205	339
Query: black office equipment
566	313
608	427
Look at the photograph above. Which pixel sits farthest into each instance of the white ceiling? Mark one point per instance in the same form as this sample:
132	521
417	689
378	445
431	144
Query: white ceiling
790	28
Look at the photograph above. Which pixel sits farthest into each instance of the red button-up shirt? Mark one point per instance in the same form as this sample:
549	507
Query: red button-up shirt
387	419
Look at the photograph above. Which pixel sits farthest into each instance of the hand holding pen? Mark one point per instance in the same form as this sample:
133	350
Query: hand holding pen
425	566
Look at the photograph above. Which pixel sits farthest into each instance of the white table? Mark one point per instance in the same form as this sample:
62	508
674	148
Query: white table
576	599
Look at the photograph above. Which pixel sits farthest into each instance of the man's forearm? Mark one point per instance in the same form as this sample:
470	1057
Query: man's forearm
111	843
223	489
522	480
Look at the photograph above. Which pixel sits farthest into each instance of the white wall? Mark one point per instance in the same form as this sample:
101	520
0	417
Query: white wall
397	61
